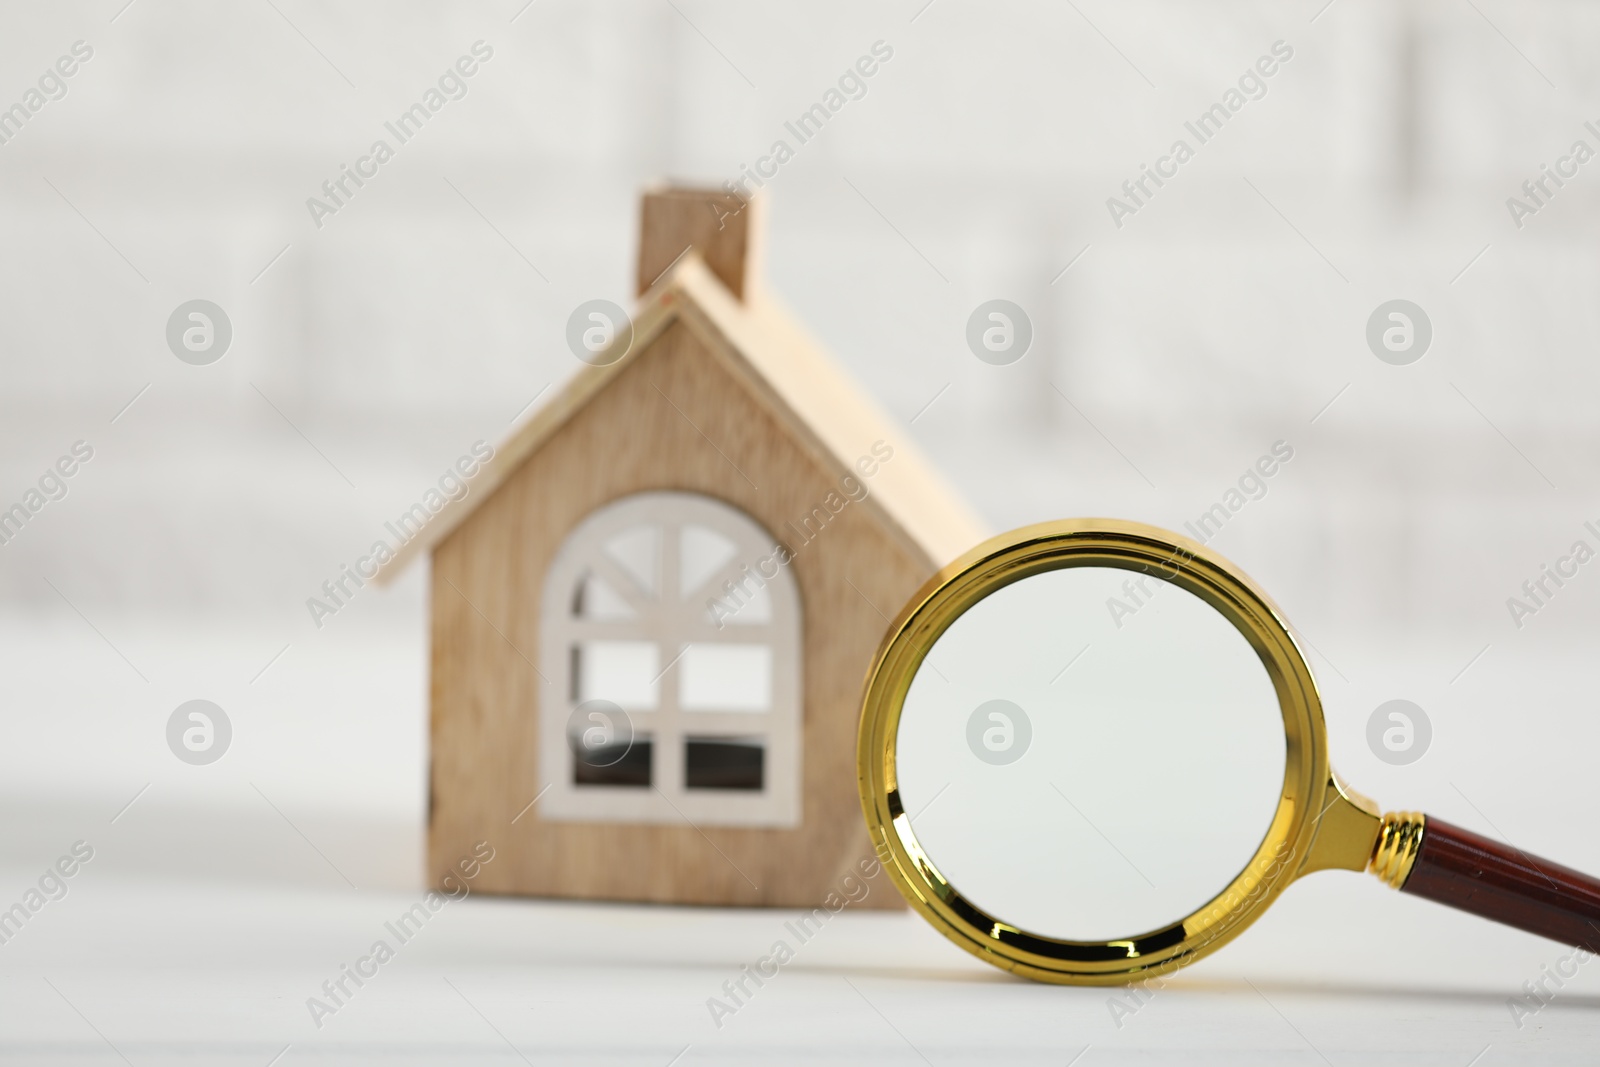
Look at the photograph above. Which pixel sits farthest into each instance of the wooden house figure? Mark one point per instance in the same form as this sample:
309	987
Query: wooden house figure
656	606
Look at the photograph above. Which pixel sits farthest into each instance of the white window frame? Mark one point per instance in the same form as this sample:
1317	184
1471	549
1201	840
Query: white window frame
672	624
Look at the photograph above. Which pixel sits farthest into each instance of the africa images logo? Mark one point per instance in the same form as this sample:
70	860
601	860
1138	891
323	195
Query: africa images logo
1252	85
451	85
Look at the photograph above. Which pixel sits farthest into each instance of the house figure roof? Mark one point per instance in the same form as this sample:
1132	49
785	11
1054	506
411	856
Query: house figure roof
808	391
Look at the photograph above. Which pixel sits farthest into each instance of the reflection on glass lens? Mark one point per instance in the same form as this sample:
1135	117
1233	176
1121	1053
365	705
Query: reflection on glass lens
1090	753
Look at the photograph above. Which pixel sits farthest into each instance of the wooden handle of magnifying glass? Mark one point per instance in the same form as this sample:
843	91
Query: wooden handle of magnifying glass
1468	871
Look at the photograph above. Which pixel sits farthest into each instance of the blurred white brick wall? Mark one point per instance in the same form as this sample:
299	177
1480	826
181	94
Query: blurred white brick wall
1192	338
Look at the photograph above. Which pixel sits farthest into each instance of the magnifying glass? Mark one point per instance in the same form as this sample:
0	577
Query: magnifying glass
1091	751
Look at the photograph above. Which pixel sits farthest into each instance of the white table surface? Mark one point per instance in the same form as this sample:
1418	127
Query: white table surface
223	896
196	936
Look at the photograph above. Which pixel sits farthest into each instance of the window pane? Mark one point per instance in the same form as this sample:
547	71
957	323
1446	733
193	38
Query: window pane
623	672
717	677
723	763
637	552
626	764
596	601
746	603
702	553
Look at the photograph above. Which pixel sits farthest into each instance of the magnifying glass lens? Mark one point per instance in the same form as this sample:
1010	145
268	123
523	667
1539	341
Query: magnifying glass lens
1090	753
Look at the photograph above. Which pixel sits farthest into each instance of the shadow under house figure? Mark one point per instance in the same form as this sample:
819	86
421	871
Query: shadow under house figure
657	607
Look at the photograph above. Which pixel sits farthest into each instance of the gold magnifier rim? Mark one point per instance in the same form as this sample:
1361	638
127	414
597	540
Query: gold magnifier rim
1047	546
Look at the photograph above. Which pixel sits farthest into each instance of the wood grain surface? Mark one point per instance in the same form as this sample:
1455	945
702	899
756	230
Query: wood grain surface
725	230
1470	872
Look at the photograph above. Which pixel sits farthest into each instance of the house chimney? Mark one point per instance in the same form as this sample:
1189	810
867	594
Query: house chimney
720	226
